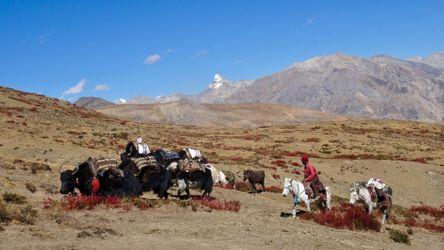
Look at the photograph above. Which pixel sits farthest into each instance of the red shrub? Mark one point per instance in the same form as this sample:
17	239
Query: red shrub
296	164
300	153
49	203
243	186
262	151
236	158
420	160
225	186
273	189
296	172
347	217
251	137
89	202
433	227
279	163
437	212
313	139
232	206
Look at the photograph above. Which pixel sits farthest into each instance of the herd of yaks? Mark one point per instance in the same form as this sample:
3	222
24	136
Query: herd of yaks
162	169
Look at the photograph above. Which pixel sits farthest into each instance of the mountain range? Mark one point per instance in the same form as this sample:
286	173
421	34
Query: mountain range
381	87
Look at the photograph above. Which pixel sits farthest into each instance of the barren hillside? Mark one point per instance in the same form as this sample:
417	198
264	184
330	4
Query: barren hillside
38	133
217	115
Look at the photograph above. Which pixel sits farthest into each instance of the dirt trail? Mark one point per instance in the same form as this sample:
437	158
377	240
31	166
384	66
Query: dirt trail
257	225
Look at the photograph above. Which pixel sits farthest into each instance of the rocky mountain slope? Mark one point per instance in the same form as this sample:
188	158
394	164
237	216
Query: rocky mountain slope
91	102
436	59
220	90
377	87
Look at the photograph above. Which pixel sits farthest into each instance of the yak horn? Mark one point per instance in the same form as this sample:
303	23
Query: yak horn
60	168
75	170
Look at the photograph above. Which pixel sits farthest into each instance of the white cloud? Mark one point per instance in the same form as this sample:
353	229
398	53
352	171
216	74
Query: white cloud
169	51
101	87
151	59
310	20
43	38
201	53
76	89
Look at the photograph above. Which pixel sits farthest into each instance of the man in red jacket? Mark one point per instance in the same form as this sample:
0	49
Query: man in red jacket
311	178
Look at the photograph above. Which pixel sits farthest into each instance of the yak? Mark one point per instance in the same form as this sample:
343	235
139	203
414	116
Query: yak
196	179
255	177
85	178
158	180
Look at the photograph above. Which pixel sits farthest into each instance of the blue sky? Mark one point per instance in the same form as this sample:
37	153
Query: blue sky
128	48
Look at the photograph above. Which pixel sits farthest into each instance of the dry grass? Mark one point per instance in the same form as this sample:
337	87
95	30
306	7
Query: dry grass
14	198
398	236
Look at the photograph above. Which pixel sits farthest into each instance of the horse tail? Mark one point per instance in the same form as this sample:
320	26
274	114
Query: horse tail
328	198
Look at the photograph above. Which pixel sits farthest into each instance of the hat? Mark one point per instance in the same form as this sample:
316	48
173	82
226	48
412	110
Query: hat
304	159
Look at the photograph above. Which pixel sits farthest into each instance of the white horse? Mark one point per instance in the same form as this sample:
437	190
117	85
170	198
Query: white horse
298	191
360	193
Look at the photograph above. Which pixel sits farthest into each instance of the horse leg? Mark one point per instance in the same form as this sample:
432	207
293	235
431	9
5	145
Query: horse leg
389	210
294	211
328	197
384	214
369	208
263	186
307	204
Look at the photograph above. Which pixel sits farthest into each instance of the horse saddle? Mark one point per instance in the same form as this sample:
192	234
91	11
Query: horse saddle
308	190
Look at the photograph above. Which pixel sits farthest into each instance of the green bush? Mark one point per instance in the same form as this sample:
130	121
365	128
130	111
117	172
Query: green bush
398	236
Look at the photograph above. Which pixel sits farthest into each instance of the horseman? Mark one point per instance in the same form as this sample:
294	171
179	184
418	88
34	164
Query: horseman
311	180
377	186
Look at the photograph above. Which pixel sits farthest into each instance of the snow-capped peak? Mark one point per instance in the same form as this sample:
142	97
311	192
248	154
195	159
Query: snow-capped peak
120	101
218	82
